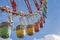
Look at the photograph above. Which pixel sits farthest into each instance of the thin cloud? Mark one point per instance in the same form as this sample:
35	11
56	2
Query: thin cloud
50	37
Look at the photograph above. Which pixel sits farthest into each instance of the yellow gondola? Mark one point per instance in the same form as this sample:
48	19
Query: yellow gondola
30	30
20	31
36	27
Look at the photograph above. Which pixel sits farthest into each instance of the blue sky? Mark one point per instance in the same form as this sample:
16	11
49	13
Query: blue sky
52	25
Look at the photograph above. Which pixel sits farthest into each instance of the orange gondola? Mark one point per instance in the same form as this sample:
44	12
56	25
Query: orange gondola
30	30
36	27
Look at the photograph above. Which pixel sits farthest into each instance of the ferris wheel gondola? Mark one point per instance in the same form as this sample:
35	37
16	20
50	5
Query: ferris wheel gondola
37	27
36	24
30	27
20	29
5	30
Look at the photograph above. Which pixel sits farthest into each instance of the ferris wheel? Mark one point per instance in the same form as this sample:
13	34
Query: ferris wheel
27	24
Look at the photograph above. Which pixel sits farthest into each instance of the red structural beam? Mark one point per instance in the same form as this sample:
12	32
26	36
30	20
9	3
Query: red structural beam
41	1
14	5
37	5
28	6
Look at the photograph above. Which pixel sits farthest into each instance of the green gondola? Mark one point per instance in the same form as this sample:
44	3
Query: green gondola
5	30
0	29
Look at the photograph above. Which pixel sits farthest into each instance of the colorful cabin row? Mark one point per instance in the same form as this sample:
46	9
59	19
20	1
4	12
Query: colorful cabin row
5	30
21	31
